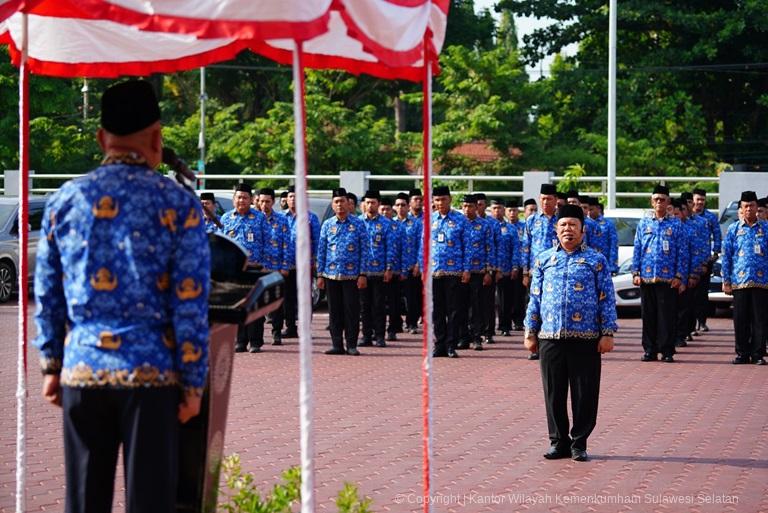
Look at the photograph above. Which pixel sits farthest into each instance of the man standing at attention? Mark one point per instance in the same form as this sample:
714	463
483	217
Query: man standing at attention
341	268
745	276
247	226
570	322
660	269
121	284
701	297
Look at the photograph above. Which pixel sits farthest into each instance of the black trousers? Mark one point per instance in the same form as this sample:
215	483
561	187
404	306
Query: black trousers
394	304
686	321
250	333
488	306
469	312
445	295
659	313
505	302
519	303
290	303
414	290
750	321
343	312
701	297
97	421
373	303
576	364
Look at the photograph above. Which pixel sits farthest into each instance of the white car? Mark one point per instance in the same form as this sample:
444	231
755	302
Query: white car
627	293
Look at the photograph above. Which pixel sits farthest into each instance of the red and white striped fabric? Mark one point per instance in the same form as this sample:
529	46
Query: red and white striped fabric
383	38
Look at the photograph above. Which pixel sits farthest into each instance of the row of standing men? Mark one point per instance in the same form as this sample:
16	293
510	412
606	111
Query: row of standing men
371	265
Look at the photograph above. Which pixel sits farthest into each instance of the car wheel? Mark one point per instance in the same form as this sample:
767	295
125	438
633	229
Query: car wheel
7	278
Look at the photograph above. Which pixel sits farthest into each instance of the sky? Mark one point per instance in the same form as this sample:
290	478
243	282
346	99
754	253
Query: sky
525	25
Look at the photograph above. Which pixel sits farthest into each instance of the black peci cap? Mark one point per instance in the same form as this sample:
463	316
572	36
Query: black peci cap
441	190
686	196
243	187
548	189
401	196
699	192
372	194
570	211
748	196
661	189
386	200
512	203
267	191
129	107
341	192
207	196
529	201
414	192
469	198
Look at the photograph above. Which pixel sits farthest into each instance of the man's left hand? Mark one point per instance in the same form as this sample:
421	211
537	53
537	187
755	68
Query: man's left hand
605	344
189	407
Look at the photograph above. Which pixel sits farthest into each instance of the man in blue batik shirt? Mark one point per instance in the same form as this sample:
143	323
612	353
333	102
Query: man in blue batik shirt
208	203
570	322
450	268
275	259
121	284
685	299
745	276
540	234
702	295
660	269
608	243
290	306
471	310
383	264
512	210
414	287
247	226
342	266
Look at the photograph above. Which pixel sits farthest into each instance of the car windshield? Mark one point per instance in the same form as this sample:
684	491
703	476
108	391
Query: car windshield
6	211
625	229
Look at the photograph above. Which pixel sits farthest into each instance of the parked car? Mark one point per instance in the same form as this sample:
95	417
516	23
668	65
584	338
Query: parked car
9	241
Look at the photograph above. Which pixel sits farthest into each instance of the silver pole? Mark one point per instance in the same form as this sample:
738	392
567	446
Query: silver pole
84	90
612	105
201	138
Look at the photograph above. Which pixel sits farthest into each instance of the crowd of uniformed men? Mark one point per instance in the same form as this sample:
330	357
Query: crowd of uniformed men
482	258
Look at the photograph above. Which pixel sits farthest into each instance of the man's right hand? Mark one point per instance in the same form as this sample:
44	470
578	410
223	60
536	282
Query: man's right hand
52	389
636	280
531	343
526	280
189	407
728	289
321	283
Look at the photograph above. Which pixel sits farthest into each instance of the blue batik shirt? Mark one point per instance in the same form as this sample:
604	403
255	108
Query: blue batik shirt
449	236
660	250
343	249
121	281
210	226
507	250
714	229
700	246
571	295
314	234
382	248
400	241
607	242
250	230
745	255
414	230
479	249
278	237
540	235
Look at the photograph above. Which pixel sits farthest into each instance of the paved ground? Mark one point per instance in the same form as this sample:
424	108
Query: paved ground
693	432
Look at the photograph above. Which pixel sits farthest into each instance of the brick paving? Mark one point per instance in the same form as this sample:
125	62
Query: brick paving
693	432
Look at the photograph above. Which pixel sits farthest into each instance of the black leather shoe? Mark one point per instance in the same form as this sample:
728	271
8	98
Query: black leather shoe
668	359
452	353
391	336
478	346
439	354
254	349
464	344
533	356
579	454
277	341
412	331
740	360
335	350
758	361
241	348
353	352
290	334
704	328
555	453
366	342
649	357
518	327
688	338
489	340
681	343
380	343
505	333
